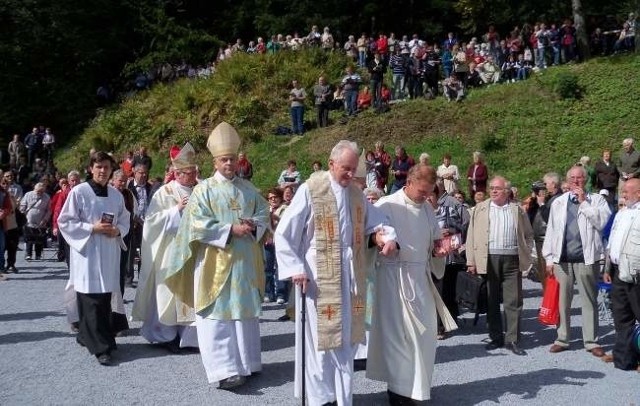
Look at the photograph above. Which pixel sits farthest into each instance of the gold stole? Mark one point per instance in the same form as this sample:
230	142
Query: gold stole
329	262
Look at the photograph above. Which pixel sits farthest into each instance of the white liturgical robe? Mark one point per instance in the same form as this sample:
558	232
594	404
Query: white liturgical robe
328	373
163	315
402	342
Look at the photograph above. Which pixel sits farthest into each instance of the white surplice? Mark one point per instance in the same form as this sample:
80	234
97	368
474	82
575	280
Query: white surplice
404	324
95	258
163	317
94	263
328	373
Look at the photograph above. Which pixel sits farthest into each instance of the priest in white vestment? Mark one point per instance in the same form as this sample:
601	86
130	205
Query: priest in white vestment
166	320
402	342
218	268
93	221
320	244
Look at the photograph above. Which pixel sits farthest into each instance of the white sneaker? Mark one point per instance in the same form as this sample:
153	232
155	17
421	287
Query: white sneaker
280	301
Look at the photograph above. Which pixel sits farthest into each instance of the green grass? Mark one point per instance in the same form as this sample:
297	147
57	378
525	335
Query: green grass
525	129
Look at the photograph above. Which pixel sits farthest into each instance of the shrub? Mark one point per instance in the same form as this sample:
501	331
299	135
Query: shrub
566	86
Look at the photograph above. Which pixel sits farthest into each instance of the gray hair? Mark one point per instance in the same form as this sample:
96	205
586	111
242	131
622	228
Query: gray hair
479	155
627	141
341	147
117	174
73	174
585	160
578	167
424	157
373	191
552	177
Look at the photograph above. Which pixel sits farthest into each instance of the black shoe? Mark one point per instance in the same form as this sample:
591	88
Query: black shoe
232	382
494	344
513	347
75	327
399	400
284	318
173	346
104	359
360	365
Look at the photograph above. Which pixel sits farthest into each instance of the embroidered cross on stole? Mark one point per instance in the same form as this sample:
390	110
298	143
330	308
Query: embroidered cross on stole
329	263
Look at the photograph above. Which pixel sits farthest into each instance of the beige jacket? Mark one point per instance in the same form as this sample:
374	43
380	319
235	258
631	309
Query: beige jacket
478	237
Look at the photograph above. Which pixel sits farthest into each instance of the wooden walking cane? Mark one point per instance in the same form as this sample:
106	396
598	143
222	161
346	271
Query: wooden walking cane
303	319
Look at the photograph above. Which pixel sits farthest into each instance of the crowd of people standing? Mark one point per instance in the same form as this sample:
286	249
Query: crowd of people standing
211	251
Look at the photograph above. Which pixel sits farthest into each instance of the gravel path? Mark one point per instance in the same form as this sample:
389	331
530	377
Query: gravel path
41	364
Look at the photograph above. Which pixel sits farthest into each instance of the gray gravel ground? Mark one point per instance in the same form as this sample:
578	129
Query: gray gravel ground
41	364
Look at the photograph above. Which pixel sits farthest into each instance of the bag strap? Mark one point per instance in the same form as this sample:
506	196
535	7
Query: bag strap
32	206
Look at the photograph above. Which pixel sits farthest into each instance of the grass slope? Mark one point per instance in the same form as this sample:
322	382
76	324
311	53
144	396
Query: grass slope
524	128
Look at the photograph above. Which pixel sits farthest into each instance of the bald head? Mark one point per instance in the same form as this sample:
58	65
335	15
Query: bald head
631	191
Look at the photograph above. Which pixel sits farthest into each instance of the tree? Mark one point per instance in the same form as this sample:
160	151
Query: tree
581	31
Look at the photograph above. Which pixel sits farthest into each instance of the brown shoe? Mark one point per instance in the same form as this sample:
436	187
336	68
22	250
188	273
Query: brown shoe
607	357
597	352
555	348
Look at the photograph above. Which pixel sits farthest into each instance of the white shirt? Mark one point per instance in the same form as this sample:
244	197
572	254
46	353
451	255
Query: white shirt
622	223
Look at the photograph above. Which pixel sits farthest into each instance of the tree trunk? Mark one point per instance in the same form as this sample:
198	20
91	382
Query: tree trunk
582	37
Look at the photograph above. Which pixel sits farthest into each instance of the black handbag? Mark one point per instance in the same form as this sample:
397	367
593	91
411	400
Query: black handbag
471	293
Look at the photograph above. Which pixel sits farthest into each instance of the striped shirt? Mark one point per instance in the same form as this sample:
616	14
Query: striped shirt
502	230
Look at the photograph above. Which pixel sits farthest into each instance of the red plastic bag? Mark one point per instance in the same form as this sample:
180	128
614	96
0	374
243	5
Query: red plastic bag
550	308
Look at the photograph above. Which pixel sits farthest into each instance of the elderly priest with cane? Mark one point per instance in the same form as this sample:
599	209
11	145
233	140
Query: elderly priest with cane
320	244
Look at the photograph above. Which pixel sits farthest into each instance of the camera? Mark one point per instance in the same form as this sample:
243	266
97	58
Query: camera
538	186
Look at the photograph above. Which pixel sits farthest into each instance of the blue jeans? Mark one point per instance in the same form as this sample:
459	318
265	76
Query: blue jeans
522	74
351	101
398	86
362	58
556	54
541	58
297	119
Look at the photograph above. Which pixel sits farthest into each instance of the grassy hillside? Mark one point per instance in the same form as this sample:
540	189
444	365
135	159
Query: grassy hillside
524	128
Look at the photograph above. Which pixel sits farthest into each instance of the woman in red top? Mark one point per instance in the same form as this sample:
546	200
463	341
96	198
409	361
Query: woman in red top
477	174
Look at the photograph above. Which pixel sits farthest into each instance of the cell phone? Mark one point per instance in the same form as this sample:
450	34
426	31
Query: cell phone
107	218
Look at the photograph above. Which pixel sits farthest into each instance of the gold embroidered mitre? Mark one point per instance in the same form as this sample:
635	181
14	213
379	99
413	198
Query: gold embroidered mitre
223	140
186	158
